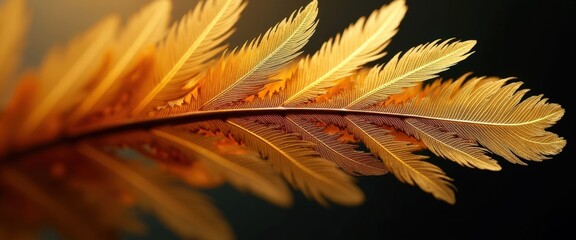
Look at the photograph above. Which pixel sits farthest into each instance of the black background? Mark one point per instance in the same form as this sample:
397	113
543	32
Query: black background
531	40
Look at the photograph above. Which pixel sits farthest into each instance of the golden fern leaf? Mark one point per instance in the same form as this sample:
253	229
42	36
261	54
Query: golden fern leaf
359	44
244	72
142	30
312	123
417	64
185	51
492	113
13	26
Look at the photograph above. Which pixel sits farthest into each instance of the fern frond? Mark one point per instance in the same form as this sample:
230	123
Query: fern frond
359	44
494	114
244	72
142	30
189	45
145	117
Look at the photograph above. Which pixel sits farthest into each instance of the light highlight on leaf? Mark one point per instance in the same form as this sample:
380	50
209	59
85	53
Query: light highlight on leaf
244	72
359	44
493	113
189	45
416	65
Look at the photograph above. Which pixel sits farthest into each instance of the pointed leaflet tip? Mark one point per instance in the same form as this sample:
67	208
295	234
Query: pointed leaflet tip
184	52
339	57
418	64
244	72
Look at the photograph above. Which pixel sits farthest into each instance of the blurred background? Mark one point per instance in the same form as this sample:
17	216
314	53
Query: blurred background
530	40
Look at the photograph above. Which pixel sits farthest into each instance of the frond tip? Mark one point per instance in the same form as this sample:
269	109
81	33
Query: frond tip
493	112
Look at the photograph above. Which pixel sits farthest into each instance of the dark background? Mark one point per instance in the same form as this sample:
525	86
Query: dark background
528	39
